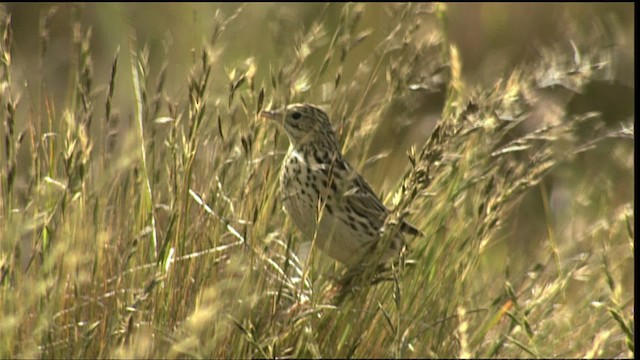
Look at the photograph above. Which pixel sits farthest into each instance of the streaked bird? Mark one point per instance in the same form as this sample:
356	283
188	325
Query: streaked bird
324	196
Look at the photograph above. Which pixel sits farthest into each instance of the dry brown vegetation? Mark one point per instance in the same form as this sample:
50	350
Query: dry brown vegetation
140	217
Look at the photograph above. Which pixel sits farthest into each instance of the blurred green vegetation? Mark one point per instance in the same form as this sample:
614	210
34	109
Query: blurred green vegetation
492	39
188	81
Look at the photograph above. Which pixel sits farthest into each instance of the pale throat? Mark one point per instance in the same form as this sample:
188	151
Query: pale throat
294	152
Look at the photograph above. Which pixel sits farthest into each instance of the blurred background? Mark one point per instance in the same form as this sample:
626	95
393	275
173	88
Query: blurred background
492	39
579	203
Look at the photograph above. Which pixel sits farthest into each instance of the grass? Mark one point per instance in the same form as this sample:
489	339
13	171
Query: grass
141	218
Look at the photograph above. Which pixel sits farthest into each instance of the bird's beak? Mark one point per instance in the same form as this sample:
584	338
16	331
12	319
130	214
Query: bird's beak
271	115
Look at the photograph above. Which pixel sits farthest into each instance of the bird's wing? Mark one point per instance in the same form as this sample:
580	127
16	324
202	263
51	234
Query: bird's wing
363	200
366	203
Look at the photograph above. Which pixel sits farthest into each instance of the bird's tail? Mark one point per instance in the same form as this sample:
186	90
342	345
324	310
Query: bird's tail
410	229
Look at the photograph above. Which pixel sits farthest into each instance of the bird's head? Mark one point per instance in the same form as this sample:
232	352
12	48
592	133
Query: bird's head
304	124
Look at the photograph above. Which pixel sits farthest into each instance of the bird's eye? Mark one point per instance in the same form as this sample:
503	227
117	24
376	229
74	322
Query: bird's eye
296	115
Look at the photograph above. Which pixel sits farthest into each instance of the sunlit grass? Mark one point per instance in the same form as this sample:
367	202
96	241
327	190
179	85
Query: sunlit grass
153	227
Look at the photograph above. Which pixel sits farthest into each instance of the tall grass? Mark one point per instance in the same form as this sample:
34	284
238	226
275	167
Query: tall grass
153	227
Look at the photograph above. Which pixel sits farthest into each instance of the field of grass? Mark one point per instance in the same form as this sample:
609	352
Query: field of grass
139	207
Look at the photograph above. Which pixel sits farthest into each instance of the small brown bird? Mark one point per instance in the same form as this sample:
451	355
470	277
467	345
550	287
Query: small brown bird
324	196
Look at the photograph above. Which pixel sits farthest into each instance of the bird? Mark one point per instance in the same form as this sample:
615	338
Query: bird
326	198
